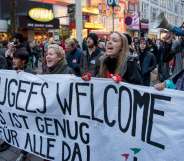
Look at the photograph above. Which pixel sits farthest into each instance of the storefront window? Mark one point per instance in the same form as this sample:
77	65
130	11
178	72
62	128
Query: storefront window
3	37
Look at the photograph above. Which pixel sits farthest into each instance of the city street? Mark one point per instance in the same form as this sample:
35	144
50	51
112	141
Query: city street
12	153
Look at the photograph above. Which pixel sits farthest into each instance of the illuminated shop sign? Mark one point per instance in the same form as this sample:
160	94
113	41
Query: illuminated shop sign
41	14
89	25
90	10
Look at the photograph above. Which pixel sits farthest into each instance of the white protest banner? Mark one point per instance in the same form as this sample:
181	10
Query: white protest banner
62	118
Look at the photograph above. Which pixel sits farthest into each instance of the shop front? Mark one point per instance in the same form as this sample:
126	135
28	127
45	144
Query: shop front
90	19
106	15
97	16
39	24
3	30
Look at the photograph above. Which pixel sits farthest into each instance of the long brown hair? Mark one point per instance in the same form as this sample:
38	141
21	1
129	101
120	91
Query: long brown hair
121	56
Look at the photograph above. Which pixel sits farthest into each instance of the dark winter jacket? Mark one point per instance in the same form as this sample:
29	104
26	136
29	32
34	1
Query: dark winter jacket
164	57
3	62
90	63
2	51
130	71
147	63
154	49
73	60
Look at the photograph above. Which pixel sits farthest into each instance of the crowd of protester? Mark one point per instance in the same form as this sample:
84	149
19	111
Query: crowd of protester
120	57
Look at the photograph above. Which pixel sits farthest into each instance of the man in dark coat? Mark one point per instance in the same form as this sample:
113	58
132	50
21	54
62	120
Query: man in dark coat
3	63
147	62
21	42
171	50
90	57
73	55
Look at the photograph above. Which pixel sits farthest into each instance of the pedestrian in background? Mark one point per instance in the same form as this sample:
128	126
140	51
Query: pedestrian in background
73	55
90	57
147	62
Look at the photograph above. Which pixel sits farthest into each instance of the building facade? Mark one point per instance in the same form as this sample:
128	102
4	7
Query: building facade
173	9
97	15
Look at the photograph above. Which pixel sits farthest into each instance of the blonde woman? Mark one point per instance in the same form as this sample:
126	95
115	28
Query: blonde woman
55	60
116	64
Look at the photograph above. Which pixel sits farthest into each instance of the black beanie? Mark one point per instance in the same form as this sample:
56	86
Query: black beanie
94	37
22	54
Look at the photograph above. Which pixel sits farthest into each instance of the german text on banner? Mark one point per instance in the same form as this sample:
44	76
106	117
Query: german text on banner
63	118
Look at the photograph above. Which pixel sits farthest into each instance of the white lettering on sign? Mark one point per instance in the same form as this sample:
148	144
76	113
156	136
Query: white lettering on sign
63	118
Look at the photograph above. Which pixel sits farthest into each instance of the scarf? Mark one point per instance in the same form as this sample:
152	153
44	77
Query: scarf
58	68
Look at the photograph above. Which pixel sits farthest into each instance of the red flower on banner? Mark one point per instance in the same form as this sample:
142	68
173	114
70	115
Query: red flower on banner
116	77
87	76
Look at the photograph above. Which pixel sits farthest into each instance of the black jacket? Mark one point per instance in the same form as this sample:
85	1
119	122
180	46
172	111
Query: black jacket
147	63
129	71
3	62
73	59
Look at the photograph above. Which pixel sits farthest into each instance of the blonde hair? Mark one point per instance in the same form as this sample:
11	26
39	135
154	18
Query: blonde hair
58	50
70	42
121	56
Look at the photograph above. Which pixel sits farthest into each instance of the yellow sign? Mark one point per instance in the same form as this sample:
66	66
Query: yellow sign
90	10
41	14
89	25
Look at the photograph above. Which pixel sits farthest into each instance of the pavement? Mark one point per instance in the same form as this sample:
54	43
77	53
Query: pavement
12	154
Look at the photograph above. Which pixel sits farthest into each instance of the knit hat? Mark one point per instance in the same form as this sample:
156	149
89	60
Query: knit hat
94	37
22	54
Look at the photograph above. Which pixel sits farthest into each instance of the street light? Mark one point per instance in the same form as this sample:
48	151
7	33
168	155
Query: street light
113	3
